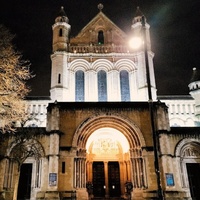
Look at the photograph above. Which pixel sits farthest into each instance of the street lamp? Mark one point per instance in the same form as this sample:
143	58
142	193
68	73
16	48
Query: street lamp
136	43
151	110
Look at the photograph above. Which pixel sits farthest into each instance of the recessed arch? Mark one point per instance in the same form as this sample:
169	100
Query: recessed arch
188	153
189	122
125	64
20	151
127	128
110	149
102	64
185	142
176	122
79	64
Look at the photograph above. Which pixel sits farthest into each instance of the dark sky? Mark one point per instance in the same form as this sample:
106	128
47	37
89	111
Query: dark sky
175	34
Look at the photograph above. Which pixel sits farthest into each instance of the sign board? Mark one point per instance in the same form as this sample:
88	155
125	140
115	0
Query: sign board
52	179
169	179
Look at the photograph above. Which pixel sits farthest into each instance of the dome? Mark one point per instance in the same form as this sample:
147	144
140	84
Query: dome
138	16
62	17
195	76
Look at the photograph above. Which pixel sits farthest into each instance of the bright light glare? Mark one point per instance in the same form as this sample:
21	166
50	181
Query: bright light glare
106	134
135	43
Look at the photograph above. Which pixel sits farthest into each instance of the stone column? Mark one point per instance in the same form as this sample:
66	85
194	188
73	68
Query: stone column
113	86
53	125
122	171
44	173
83	173
53	161
128	171
87	171
90	177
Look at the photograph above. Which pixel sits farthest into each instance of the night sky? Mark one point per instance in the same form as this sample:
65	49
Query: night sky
175	34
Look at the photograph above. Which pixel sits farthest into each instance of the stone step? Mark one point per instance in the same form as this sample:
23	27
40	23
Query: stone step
108	198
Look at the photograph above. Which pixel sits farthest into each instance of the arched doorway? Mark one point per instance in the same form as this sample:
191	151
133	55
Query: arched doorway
188	151
22	168
109	154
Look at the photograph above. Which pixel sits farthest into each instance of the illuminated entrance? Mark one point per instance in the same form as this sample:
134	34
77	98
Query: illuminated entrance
98	180
108	162
109	156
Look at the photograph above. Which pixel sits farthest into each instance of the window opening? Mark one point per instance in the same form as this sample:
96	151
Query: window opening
79	86
100	37
60	32
59	78
124	85
102	86
63	167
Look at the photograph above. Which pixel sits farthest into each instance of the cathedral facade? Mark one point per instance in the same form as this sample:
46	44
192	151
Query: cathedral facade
99	136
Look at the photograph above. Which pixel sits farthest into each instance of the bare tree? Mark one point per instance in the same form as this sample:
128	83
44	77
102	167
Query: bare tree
14	72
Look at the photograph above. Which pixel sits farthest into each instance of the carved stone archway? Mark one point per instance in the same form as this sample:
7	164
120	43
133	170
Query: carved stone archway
131	162
22	151
187	151
28	148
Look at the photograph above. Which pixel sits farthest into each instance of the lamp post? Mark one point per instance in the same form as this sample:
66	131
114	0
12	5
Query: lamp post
151	110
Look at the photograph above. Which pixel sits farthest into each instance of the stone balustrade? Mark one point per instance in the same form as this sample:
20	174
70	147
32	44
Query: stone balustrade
181	111
36	107
98	49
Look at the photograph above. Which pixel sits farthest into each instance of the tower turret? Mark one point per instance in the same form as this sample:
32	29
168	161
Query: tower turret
194	88
137	27
59	82
61	30
138	32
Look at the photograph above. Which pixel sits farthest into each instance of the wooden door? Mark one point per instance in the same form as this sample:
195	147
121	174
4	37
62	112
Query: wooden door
193	170
98	179
114	179
24	187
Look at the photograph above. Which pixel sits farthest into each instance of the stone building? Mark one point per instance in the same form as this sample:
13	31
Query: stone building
94	136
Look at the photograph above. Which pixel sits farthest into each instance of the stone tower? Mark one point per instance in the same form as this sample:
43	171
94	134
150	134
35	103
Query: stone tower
138	34
97	64
61	31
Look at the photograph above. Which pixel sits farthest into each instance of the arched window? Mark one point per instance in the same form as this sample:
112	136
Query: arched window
79	86
60	32
102	86
124	85
100	37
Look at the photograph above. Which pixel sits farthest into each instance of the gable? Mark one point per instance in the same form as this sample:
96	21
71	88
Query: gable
100	28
